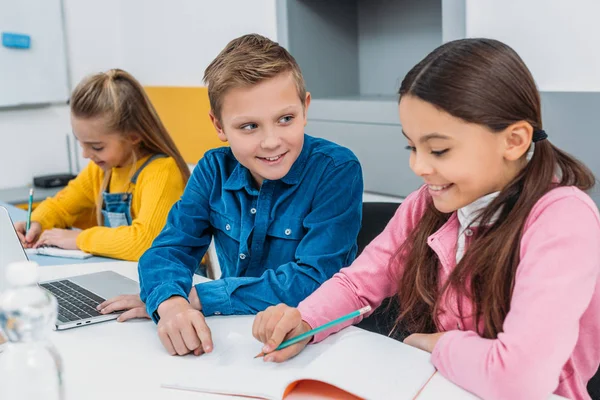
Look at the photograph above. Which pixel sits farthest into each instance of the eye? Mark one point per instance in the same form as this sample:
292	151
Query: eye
249	127
287	119
411	148
97	148
439	153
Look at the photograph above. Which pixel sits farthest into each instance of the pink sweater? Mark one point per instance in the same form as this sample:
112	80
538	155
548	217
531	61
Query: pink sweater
551	336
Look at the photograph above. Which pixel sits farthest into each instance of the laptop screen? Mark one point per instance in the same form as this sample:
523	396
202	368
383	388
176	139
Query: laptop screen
10	246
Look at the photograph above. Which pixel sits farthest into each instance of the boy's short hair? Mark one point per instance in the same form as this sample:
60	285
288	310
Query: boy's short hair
246	61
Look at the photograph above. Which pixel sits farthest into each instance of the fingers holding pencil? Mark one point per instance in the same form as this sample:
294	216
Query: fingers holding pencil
276	324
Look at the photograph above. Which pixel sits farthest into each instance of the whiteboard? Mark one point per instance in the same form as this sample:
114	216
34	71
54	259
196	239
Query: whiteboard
559	41
39	74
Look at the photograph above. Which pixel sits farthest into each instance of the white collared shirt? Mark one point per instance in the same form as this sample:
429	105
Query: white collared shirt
468	217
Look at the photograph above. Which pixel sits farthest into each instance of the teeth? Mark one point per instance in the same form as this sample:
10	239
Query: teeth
272	158
437	188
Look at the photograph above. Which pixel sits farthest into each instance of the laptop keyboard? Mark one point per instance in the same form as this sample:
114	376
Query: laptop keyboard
74	302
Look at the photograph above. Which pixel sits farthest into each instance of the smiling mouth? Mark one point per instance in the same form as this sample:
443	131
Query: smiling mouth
437	188
273	159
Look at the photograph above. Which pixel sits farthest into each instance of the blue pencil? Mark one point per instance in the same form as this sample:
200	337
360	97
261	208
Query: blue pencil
318	329
29	207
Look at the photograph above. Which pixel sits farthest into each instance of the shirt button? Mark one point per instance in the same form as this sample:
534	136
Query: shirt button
468	232
242	256
217	312
228	227
253	211
288	232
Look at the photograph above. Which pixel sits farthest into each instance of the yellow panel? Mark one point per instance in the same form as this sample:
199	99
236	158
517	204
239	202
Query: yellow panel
184	111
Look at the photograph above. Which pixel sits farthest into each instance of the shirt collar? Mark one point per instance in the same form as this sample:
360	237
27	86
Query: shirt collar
240	178
295	173
468	215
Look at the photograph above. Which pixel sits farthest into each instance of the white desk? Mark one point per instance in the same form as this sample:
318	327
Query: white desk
119	361
114	360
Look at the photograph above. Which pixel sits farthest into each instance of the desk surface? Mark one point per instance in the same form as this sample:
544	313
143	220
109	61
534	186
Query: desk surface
16	214
117	361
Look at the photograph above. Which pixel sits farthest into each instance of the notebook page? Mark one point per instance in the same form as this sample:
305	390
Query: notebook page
372	366
363	363
232	369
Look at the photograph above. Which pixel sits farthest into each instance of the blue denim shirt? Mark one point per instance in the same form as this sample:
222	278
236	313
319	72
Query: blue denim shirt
275	245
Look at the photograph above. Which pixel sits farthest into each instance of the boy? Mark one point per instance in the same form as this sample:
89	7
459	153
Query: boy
284	208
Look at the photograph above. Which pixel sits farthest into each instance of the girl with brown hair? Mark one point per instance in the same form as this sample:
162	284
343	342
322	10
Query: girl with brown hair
122	198
495	261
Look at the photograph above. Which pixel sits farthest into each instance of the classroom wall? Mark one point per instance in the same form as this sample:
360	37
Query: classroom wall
161	43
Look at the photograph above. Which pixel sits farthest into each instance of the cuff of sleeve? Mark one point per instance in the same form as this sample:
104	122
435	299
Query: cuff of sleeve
43	220
313	322
214	298
160	294
83	240
441	351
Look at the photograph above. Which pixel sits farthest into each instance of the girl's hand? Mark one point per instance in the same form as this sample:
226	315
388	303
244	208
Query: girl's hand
63	238
424	341
28	238
182	329
276	324
130	303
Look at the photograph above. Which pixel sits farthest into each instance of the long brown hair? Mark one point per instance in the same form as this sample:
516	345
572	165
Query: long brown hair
119	98
485	82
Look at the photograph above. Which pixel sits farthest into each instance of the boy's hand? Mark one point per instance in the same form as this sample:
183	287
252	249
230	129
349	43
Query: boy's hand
424	341
28	238
134	306
182	329
63	238
276	324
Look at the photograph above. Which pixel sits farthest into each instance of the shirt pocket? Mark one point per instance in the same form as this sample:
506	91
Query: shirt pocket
287	229
283	238
225	226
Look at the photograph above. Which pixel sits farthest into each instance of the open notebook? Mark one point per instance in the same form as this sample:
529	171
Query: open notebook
362	363
58	252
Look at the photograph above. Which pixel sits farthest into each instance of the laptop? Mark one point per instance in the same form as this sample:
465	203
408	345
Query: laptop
77	296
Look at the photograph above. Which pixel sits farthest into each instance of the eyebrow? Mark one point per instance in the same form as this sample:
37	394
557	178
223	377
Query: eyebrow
429	136
285	110
93	143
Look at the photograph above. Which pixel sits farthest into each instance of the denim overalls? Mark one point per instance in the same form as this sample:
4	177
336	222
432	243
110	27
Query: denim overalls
116	207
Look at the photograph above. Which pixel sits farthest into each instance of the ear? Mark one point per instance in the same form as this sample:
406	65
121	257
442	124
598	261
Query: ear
517	139
306	104
135	138
218	127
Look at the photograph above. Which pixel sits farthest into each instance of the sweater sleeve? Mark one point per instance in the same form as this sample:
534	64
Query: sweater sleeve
555	281
158	187
62	210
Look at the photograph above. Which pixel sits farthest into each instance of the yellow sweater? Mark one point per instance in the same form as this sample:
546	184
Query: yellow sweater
158	187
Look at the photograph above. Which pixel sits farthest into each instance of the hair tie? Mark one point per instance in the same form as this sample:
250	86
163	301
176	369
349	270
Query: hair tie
539	134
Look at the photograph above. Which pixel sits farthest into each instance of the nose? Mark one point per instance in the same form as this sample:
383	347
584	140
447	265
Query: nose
419	165
271	140
85	153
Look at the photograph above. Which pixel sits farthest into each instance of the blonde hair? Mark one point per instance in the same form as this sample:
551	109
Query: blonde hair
120	99
246	61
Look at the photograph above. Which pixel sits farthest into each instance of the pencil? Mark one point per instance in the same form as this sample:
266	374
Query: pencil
29	207
318	329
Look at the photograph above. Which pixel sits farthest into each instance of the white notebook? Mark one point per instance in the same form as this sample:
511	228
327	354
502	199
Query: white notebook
362	363
58	252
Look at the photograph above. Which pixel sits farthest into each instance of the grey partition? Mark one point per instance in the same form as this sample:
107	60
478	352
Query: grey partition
354	53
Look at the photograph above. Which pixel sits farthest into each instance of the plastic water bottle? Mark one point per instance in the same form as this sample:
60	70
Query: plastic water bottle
30	367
